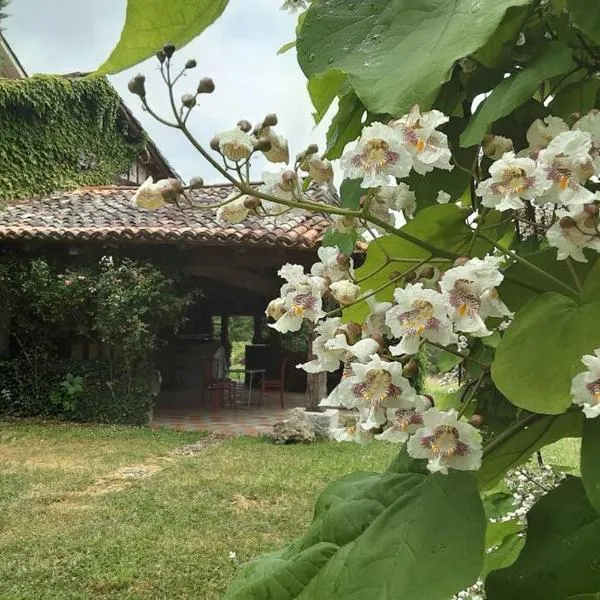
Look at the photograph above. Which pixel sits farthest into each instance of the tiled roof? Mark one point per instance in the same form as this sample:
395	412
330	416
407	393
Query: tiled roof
106	214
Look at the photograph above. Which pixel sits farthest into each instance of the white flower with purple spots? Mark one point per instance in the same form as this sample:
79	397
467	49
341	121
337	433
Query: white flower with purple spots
417	315
573	231
403	422
541	132
302	299
378	155
236	144
427	146
375	321
568	165
470	290
325	360
511	181
585	387
446	443
373	387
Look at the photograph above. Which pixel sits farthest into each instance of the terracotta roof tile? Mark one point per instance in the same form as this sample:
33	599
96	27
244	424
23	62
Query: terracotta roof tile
106	213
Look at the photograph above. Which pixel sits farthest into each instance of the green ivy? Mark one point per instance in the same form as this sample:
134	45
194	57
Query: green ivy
61	133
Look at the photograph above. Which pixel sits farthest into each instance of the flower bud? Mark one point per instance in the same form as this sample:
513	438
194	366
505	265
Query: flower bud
270	120
169	50
461	261
352	331
191	64
161	57
137	85
430	398
567	222
206	86
171	189
494	146
275	309
214	144
427	273
477	421
288	180
410	369
591	209
188	100
410	277
251	202
345	292
262	145
312	149
244	125
343	260
590	222
196	183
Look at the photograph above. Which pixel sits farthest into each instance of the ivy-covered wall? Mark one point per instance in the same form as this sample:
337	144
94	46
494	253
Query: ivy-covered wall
59	133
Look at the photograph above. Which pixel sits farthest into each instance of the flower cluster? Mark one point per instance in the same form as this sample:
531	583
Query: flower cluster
374	355
553	171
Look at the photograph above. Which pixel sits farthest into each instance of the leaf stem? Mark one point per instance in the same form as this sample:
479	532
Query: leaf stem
510	431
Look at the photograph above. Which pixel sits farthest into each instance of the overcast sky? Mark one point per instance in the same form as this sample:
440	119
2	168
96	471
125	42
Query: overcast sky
239	52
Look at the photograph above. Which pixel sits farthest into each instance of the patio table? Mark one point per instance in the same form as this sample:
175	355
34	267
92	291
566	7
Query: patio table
251	373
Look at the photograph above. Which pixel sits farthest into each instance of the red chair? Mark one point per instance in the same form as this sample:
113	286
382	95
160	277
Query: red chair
275	383
219	388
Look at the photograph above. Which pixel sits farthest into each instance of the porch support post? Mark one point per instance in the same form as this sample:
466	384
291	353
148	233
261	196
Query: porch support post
258	326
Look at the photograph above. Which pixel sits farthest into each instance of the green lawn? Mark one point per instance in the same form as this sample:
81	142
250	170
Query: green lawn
72	527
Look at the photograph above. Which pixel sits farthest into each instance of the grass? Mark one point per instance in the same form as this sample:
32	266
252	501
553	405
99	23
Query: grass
72	527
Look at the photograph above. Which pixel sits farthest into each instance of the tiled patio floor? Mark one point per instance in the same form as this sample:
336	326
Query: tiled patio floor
185	412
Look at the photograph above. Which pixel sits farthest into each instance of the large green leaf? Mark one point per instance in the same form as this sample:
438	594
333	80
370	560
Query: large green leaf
590	465
442	225
515	450
503	556
323	89
281	579
555	59
150	24
346	125
560	556
521	282
586	17
579	97
429	544
534	362
396	52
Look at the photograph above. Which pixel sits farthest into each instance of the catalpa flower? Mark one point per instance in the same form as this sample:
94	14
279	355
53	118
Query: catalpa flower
567	164
325	360
427	146
353	432
585	387
591	124
149	195
403	422
406	200
512	181
541	132
334	265
235	144
378	155
446	443
361	350
301	297
375	322
471	292
233	212
373	387
574	230
419	314
344	291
